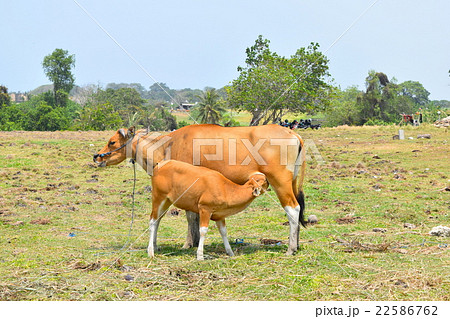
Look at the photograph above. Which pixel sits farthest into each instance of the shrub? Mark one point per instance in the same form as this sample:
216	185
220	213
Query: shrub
182	124
98	117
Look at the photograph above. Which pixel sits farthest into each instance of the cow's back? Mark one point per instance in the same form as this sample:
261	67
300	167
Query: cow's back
228	149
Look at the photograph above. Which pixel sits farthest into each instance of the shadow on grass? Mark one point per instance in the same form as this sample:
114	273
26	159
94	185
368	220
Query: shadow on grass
214	250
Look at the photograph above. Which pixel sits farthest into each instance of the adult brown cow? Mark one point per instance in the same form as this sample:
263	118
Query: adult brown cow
236	152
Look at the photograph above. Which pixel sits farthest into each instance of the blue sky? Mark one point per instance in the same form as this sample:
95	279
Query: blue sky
198	43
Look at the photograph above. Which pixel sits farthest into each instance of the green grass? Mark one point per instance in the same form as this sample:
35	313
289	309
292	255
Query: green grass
63	223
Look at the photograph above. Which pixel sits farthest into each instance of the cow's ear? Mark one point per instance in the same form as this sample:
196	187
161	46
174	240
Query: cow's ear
122	132
131	132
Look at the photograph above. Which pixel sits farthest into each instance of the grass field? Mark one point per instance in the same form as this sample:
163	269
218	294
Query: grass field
64	226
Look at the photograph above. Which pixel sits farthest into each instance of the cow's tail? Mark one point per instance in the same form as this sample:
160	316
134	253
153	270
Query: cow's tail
297	181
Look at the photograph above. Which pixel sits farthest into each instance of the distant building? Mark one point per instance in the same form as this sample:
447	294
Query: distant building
18	97
187	106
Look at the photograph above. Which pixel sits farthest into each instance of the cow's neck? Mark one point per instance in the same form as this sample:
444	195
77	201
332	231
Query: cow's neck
150	151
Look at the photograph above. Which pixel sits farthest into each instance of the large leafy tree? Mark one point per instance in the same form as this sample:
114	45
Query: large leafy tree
270	85
58	68
125	101
98	117
384	99
415	91
160	92
210	108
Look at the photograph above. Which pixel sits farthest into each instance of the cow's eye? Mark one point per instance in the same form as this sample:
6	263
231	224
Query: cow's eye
112	143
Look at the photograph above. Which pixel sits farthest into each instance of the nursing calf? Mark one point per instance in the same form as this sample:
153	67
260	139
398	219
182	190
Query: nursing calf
202	191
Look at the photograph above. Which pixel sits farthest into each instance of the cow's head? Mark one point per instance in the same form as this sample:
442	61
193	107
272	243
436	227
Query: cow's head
115	151
259	183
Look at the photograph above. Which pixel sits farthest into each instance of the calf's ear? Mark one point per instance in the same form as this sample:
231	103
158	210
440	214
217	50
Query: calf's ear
257	191
131	132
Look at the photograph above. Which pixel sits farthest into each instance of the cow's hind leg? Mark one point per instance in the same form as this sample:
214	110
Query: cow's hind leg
293	214
285	194
223	233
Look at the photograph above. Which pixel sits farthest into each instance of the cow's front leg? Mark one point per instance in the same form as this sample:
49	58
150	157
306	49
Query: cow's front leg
193	235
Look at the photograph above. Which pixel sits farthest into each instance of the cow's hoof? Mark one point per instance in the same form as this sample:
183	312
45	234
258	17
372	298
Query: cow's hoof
290	252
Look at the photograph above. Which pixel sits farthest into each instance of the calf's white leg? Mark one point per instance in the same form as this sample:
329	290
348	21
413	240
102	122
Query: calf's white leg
153	229
223	232
203	231
157	213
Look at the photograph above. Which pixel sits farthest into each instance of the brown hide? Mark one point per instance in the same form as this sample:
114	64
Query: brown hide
192	187
284	166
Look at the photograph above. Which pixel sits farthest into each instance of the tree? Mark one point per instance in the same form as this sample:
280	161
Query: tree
210	108
271	85
137	86
5	99
85	94
40	116
58	68
442	103
159	92
157	118
98	117
383	100
344	109
50	119
12	117
415	91
125	101
37	114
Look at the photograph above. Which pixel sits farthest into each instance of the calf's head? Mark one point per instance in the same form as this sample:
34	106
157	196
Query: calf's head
115	151
259	183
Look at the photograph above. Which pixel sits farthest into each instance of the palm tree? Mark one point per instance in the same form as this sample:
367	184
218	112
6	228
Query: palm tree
209	110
